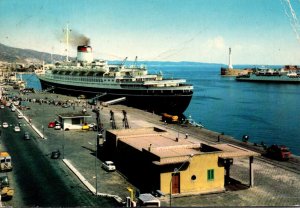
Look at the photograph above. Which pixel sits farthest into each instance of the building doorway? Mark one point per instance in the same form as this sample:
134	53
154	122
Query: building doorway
176	183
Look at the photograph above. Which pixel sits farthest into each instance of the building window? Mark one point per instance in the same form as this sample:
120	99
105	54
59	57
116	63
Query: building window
210	175
75	121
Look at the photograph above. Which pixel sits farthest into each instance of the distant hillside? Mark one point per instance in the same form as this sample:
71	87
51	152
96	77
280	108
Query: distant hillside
18	55
27	56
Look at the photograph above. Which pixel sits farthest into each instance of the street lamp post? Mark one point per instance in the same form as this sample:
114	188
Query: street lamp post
63	144
96	148
176	170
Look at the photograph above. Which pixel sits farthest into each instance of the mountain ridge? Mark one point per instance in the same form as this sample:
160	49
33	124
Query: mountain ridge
27	56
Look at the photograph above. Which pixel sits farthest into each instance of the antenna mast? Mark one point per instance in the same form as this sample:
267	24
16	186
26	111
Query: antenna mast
67	31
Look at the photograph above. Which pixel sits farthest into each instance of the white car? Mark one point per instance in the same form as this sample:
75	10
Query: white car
5	125
2	106
57	127
108	166
17	129
13	109
20	116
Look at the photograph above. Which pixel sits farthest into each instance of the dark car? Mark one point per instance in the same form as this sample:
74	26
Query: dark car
55	154
26	136
4	181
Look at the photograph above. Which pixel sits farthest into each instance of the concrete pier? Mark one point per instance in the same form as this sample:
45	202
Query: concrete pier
274	185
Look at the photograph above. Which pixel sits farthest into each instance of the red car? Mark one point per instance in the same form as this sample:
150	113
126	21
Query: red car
51	125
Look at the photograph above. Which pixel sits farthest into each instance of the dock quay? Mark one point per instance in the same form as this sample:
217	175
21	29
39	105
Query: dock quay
276	183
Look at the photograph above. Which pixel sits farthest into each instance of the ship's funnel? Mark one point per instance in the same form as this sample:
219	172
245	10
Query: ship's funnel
85	54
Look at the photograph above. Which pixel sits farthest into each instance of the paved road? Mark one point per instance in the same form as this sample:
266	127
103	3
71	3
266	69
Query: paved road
37	179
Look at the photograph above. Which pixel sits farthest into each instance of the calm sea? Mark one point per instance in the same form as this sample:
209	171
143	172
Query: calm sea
265	112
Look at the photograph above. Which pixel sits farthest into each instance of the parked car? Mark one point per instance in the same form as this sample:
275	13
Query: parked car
57	127
92	125
5	125
17	129
108	166
51	124
20	116
26	135
2	106
13	109
81	97
55	154
66	105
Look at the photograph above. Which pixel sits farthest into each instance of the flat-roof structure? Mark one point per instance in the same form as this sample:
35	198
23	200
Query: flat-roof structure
170	149
154	157
73	120
74	115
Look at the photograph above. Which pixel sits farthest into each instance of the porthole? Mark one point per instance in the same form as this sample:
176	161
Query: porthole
193	177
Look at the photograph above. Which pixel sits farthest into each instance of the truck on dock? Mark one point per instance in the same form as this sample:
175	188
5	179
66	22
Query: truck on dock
278	152
5	161
169	118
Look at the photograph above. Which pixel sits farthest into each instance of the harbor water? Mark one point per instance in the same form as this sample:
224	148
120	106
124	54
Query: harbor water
265	112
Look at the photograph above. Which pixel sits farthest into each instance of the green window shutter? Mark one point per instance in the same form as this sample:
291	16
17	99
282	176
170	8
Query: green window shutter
210	174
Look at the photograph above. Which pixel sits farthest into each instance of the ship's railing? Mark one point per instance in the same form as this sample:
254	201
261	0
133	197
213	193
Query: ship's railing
91	80
170	81
74	78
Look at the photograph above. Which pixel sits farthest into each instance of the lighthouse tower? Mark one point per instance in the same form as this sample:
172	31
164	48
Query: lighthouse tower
230	63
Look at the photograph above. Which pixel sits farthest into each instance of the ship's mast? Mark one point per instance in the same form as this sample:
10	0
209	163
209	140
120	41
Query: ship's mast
230	63
67	31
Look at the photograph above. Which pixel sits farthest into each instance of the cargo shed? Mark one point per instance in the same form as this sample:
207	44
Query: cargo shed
73	120
152	159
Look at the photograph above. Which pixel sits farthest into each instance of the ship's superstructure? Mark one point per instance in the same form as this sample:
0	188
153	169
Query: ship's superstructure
91	78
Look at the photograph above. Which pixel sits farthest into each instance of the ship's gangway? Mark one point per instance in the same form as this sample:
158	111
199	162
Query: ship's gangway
49	89
93	100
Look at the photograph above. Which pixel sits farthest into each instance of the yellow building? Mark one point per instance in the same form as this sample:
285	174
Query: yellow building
152	159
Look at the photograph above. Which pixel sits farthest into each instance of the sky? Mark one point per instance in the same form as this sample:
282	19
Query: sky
258	31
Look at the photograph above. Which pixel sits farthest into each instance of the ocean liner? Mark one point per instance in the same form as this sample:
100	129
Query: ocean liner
97	78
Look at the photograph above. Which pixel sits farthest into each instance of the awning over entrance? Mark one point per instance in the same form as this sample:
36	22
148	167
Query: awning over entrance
229	152
232	151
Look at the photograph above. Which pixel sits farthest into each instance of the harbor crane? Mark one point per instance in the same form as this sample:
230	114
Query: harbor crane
135	62
112	120
125	120
123	62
